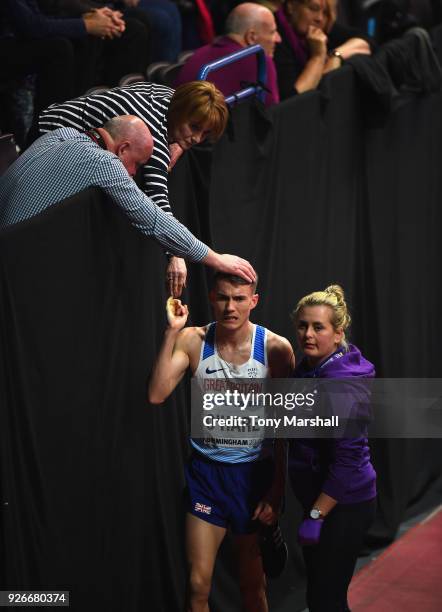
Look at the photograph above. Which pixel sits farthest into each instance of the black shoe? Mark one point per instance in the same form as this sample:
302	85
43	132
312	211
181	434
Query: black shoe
273	550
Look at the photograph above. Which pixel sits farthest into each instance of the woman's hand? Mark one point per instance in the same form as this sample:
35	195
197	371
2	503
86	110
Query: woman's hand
176	275
309	531
354	46
317	42
175	153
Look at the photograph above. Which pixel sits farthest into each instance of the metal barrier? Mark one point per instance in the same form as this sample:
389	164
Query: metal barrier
234	57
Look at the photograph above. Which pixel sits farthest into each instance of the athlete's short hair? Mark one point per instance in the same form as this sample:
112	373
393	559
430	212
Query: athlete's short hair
233	279
199	102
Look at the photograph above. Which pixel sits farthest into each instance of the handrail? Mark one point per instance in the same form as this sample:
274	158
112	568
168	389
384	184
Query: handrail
234	57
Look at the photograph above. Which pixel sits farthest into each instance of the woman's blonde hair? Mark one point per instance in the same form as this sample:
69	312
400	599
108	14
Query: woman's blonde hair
199	102
330	11
332	296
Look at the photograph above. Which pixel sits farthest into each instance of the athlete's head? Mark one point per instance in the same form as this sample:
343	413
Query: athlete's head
232	299
321	319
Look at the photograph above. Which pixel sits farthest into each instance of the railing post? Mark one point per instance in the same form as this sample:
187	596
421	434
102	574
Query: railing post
234	57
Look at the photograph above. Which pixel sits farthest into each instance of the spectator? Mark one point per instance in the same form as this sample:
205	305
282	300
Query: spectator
119	46
50	59
303	56
106	157
165	19
177	120
248	24
337	32
32	41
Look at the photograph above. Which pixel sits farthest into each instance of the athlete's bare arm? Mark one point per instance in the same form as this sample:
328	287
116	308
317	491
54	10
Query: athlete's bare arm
179	349
280	356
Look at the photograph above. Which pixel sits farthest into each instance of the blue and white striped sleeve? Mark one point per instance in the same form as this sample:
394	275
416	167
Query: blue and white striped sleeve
144	215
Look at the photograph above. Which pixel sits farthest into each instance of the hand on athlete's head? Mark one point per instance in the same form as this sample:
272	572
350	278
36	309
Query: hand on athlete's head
232	264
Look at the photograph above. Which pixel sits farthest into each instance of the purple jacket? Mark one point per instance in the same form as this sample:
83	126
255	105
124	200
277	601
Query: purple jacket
229	79
340	468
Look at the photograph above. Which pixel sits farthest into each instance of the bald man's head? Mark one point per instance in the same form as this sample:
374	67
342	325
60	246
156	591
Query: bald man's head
131	139
250	24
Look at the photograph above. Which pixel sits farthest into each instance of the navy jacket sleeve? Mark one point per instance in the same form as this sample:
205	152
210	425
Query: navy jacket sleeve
67	8
29	21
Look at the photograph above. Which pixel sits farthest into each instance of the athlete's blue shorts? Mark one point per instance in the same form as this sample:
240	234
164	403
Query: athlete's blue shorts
226	494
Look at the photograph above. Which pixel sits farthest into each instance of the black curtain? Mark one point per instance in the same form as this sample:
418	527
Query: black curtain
91	476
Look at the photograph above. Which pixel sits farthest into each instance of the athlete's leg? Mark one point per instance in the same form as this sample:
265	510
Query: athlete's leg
251	574
202	542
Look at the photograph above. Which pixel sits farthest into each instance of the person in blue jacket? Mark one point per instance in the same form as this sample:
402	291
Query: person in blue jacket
333	478
95	43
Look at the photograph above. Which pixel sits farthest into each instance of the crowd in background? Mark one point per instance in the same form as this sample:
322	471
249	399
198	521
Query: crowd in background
54	50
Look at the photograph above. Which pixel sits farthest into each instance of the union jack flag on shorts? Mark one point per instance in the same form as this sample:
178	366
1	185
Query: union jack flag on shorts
203	508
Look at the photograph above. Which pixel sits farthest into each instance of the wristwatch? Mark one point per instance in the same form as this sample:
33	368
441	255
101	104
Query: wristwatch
316	514
336	53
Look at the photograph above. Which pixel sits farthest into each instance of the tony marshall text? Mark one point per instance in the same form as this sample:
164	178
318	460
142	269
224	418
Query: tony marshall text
239	422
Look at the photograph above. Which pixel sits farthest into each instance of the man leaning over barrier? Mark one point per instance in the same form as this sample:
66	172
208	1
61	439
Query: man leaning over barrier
66	161
178	120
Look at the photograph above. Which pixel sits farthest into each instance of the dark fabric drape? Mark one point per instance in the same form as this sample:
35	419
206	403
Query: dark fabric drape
91	476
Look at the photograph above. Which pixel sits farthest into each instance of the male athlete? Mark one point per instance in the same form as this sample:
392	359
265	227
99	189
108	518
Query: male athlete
236	486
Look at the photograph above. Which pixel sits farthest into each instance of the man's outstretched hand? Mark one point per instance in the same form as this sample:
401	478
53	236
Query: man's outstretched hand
230	264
